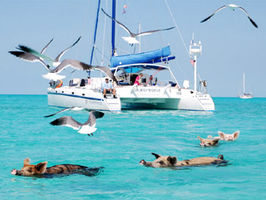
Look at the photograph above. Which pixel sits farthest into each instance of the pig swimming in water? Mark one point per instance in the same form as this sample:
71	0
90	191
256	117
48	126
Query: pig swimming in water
172	162
41	170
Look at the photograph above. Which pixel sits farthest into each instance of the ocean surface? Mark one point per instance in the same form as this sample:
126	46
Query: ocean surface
122	140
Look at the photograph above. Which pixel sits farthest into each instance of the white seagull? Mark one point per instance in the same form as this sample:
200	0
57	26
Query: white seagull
31	55
83	128
232	6
52	75
132	39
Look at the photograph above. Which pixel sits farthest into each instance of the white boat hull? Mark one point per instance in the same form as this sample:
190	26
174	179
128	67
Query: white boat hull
155	97
132	97
196	101
246	96
80	97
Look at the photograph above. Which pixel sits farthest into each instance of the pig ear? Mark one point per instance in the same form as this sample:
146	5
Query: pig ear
172	160
236	134
156	155
41	167
221	134
200	138
215	141
26	161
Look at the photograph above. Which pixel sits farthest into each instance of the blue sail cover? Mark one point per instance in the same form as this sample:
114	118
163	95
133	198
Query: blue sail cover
144	57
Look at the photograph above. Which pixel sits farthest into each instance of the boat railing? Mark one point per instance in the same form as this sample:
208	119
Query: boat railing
94	83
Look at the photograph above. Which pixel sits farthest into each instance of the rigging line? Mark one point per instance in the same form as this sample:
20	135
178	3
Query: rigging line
180	69
104	31
178	31
199	77
177	27
123	50
101	53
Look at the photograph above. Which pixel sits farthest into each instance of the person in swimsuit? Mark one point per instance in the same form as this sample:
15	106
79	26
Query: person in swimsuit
138	79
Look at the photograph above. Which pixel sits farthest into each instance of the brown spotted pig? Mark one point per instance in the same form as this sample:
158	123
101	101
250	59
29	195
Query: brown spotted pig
172	162
41	170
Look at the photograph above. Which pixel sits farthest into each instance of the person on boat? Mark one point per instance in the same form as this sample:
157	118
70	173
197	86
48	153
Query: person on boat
56	84
138	79
107	87
89	80
150	80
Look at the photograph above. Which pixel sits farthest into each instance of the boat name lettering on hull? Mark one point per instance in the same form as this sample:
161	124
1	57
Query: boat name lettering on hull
147	90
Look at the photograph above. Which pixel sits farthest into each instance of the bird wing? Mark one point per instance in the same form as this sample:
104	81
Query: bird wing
131	40
153	31
66	121
45	47
93	115
82	66
29	57
28	50
107	71
34	52
72	63
97	114
65	50
251	20
122	25
219	9
63	110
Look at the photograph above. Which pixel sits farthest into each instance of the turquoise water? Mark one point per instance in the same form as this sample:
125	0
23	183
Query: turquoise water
122	140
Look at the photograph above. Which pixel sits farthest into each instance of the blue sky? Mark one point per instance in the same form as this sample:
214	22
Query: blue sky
231	45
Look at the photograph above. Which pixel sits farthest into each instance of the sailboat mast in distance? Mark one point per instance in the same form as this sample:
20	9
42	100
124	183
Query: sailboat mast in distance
245	95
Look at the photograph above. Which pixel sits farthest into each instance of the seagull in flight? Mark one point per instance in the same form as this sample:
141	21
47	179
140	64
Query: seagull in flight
76	64
87	127
31	55
232	6
132	38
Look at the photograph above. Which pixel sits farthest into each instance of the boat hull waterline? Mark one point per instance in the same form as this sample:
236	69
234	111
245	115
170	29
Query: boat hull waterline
131	97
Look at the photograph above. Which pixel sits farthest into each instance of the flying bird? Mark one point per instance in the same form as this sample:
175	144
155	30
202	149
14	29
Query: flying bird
233	7
31	55
55	62
66	109
52	75
83	128
132	39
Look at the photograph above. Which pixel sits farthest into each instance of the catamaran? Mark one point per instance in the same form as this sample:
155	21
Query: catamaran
152	93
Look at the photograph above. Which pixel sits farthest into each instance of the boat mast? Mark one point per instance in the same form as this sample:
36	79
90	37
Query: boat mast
113	26
95	30
195	50
244	83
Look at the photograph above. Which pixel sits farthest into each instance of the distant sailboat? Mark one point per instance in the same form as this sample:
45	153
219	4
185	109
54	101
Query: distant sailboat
244	94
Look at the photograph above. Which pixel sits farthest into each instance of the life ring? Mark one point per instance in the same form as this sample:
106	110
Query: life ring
59	84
